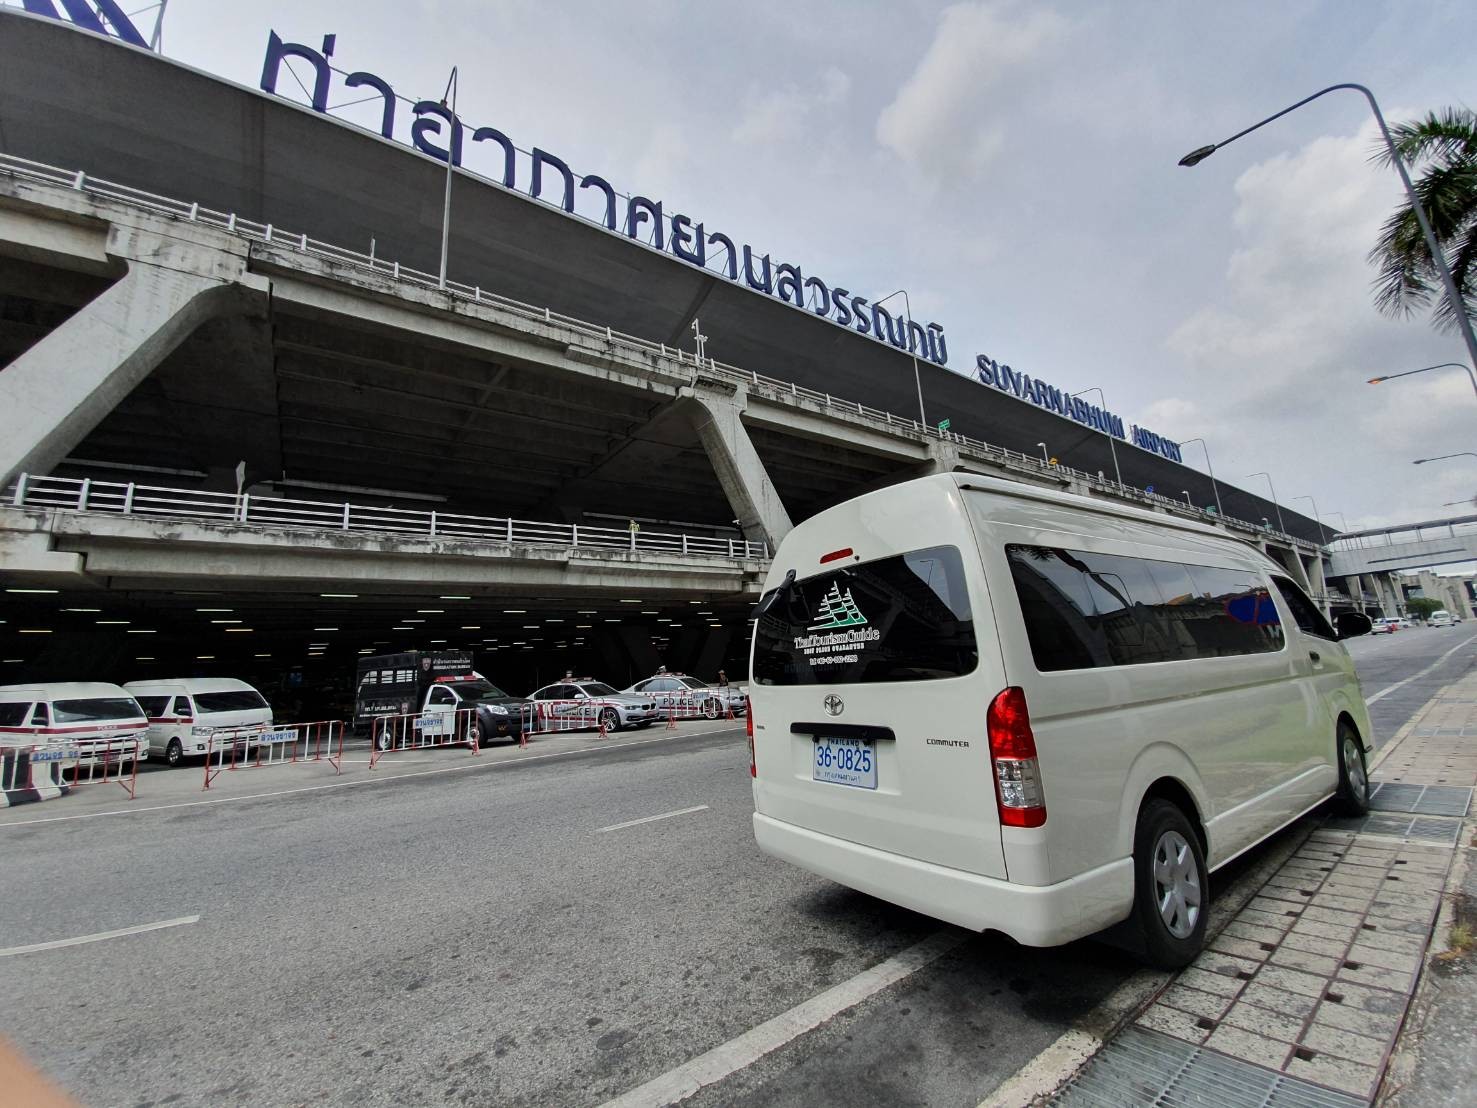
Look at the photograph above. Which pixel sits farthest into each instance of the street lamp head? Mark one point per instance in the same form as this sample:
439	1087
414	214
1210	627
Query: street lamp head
1420	461
1195	157
1376	380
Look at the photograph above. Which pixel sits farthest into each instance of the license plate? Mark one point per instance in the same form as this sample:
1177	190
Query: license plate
845	762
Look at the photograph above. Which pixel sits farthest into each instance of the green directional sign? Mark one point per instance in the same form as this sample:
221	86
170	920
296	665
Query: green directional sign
943	425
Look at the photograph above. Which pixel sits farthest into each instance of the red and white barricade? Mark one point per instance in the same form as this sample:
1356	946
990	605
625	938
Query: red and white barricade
550	717
44	770
423	730
233	748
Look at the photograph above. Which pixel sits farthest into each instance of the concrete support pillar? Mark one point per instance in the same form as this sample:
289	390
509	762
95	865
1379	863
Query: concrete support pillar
1317	583
716	416
63	386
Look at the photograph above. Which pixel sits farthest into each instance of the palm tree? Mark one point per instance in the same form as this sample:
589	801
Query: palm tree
1442	149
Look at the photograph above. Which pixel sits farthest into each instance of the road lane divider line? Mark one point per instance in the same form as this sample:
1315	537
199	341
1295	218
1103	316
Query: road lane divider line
386	779
748	1048
80	940
1415	676
651	819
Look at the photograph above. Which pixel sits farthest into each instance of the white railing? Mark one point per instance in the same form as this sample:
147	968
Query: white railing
612	339
87	495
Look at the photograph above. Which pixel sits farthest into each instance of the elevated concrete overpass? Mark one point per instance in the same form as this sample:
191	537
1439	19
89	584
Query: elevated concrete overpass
158	339
1434	542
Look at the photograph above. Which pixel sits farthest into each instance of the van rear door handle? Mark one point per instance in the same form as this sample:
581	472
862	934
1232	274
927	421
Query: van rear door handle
1315	656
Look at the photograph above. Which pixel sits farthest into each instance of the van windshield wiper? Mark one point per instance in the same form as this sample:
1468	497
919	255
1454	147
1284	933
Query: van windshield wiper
774	596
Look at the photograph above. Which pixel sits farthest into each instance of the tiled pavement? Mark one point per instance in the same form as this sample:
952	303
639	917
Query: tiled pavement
1312	978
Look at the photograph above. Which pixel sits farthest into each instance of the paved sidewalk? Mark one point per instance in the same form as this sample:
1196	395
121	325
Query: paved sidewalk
1302	997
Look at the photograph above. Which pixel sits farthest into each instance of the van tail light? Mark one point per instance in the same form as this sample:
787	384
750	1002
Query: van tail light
749	727
1018	790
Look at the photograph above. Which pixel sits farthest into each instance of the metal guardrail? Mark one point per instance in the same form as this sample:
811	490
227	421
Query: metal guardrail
1405	536
298	241
87	495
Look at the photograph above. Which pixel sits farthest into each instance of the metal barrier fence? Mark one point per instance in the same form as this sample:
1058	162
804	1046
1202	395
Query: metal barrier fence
232	748
550	717
230	222
422	731
115	760
156	501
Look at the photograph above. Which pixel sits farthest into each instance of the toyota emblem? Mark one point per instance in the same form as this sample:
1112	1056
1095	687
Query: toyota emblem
834	705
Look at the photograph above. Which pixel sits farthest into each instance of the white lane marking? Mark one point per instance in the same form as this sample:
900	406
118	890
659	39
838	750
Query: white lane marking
6	952
748	1048
651	819
1414	676
515	761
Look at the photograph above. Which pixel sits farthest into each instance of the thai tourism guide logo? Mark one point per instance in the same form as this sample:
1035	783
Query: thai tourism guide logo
838	610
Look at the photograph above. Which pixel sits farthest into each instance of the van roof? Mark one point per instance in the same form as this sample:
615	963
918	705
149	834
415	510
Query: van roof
64	690
191	684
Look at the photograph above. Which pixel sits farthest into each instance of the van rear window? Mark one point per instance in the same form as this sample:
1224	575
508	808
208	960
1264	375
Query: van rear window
904	618
241	700
1084	610
95	710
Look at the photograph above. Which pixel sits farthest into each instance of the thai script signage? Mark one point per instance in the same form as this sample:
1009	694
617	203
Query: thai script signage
434	128
1039	393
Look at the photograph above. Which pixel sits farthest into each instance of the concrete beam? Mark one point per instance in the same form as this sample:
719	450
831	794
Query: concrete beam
61	388
94	546
717	417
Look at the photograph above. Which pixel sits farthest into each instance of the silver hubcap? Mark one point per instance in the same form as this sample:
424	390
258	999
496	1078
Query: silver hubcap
1176	884
1354	769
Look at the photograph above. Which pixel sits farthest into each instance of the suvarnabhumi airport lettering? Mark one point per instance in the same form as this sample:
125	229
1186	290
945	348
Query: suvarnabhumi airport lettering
1002	377
637	217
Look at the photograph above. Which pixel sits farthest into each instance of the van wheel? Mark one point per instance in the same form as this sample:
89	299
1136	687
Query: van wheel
1353	794
1169	888
174	753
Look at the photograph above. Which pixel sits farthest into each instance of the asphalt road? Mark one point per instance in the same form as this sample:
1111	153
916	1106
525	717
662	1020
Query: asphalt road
492	937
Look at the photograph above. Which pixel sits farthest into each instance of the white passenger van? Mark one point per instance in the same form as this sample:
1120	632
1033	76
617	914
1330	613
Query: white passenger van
99	719
1027	711
183	711
1440	618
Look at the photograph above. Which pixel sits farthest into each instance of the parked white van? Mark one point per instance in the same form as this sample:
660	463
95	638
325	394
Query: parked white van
1027	711
183	711
93	716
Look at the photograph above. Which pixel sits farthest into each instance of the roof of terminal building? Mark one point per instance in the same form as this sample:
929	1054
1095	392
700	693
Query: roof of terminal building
167	128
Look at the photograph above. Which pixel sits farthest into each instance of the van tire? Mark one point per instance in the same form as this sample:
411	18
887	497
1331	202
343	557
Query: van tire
174	753
1352	798
1168	863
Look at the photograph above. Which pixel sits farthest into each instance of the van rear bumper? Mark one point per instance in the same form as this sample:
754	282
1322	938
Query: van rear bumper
1036	915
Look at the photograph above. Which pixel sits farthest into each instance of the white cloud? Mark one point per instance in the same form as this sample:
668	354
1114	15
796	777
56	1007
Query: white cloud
942	121
788	115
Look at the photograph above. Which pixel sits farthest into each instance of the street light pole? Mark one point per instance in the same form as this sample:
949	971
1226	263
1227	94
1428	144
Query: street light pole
917	379
1427	369
1342	521
1188	501
1443	457
1438	259
1276	505
450	162
1322	533
1112	445
1045	457
1213	486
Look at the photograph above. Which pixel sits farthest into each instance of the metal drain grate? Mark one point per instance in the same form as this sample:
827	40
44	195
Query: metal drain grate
1400	826
1421	800
1145	1068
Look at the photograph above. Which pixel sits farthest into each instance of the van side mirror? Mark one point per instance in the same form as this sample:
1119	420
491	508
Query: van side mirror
1351	625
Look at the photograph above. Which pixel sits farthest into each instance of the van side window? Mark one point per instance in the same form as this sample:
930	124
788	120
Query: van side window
13	715
153	706
40	717
1084	610
183	708
1305	613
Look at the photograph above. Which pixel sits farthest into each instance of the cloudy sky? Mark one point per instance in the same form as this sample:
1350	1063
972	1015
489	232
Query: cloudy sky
1012	164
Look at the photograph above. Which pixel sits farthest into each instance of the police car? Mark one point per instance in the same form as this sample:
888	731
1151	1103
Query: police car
690	695
595	703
